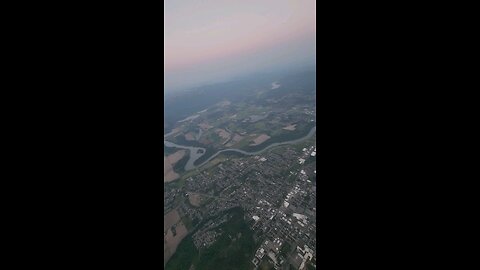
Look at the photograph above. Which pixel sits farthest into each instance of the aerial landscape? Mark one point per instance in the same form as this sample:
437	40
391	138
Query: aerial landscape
240	151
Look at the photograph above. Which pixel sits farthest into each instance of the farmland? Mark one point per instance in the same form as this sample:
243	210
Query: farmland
174	231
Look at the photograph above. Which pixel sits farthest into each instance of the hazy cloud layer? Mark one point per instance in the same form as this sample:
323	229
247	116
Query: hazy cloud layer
213	40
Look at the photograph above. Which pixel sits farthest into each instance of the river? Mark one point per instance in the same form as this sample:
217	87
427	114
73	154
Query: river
194	155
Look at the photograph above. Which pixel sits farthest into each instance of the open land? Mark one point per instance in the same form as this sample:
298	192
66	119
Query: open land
260	139
289	127
189	136
174	232
222	133
168	161
195	199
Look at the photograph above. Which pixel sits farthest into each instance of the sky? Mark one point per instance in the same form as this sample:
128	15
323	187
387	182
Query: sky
208	41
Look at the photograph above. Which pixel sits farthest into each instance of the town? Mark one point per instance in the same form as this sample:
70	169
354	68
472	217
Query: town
276	192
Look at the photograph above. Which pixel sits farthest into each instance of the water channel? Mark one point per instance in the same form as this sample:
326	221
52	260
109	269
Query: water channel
197	152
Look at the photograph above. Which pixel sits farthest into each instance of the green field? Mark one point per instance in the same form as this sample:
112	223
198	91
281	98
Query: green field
188	222
225	253
208	153
184	255
179	167
281	137
169	150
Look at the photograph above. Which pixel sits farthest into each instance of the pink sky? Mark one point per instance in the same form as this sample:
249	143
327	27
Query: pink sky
203	32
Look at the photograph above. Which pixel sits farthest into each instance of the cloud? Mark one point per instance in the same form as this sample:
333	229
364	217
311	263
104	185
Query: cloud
210	40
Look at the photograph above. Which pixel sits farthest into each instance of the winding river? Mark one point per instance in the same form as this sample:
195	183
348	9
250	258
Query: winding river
194	155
